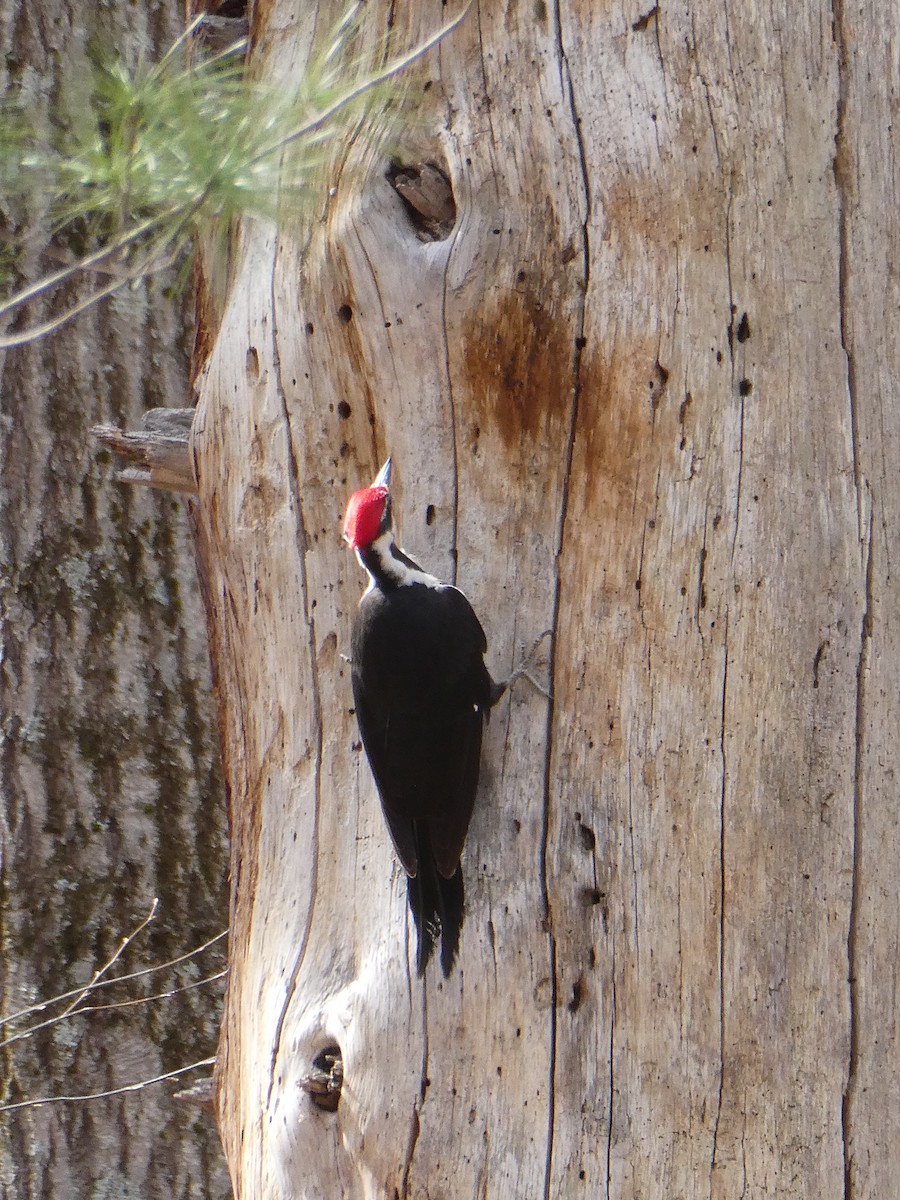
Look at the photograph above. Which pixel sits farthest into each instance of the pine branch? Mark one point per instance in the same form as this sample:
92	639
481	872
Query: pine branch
166	155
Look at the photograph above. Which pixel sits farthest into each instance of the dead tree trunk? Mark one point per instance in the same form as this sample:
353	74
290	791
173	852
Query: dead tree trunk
639	391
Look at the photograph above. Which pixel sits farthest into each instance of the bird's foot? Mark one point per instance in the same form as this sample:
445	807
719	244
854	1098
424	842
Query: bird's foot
523	672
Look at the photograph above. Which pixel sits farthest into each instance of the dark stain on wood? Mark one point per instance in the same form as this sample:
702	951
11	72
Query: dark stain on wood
520	361
587	836
207	318
578	993
615	424
643	22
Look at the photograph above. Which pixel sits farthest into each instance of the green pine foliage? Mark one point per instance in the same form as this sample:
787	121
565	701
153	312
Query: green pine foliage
163	155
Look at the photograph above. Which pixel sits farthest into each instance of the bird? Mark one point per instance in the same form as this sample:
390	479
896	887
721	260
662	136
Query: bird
422	695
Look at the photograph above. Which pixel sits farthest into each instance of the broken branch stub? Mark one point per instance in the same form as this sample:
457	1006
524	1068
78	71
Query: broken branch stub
160	452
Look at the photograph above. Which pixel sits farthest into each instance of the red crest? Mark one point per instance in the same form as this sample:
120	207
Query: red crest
365	513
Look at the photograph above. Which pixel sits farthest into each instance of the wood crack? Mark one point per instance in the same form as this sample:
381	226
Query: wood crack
723	750
709	109
862	671
569	91
415	1124
612	1078
371	408
732	312
451	402
843	167
842	178
634	873
486	102
303	542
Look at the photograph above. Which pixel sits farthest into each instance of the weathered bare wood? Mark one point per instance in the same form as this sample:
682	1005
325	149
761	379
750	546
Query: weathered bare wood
161	450
170	422
866	175
640	394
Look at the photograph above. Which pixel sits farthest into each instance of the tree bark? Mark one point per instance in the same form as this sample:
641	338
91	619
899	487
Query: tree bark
641	395
110	777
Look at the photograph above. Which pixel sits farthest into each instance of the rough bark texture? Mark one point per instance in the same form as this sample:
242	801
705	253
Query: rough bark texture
111	789
642	393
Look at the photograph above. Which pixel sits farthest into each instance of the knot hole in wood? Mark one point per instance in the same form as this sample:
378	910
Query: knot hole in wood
323	1082
427	195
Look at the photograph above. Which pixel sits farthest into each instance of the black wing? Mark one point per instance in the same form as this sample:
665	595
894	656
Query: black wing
421	691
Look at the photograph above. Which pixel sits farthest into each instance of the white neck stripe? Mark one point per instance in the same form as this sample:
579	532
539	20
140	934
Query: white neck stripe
394	568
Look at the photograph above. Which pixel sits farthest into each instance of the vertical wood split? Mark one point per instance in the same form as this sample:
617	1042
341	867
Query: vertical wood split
614	391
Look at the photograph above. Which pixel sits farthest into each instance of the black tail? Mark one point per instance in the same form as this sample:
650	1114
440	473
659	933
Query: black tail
437	907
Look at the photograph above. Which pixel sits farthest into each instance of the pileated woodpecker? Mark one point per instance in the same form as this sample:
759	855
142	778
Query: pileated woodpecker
422	694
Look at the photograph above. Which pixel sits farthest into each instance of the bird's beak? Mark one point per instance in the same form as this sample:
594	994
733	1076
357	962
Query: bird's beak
383	478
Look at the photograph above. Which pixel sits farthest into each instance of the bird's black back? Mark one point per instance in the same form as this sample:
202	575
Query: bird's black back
422	692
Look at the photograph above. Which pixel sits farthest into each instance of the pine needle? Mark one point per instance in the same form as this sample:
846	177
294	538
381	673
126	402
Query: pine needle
167	154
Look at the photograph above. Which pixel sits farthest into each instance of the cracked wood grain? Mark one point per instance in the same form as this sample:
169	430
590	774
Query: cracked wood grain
160	451
579	344
302	540
612	1084
853	957
415	1125
723	878
843	176
867	138
627	363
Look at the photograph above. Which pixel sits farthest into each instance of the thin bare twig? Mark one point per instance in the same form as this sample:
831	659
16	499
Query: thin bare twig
104	983
152	263
81	1010
167	995
119	1091
123	945
83	264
